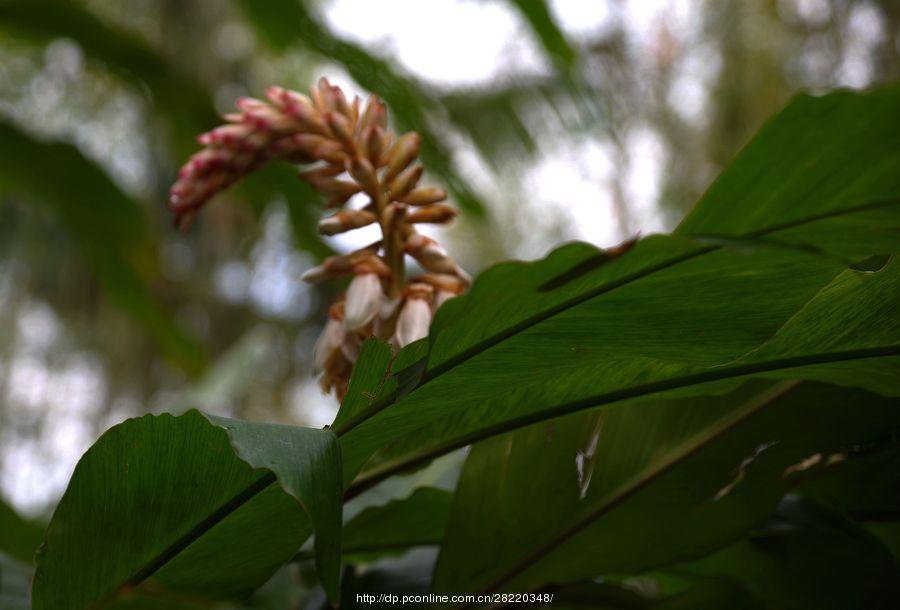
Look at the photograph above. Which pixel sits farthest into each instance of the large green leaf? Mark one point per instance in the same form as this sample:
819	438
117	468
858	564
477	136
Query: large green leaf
806	556
628	490
752	294
191	504
107	225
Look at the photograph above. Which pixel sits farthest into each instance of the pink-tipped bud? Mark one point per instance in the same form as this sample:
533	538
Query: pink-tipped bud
374	142
413	321
424	196
375	114
228	136
332	267
363	300
334	99
342	129
405	182
434	214
401	154
345	221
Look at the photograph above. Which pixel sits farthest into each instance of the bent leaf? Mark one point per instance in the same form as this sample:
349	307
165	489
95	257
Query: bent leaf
190	504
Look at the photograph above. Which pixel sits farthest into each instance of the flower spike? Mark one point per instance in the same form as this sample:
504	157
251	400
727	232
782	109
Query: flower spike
338	137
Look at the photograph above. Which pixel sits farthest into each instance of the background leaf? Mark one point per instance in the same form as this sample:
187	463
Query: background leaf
108	227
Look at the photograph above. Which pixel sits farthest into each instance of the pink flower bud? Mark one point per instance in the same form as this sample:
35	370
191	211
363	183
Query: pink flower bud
363	300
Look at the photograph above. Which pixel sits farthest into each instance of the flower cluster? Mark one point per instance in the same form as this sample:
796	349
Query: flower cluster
351	151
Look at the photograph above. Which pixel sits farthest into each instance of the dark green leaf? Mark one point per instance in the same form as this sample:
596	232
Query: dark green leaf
190	504
107	225
399	525
627	490
807	556
19	537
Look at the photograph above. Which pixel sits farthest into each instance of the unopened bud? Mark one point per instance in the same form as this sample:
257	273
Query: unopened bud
334	99
332	267
374	142
345	221
401	155
363	172
375	114
366	261
393	214
405	181
443	282
341	128
424	196
363	300
228	136
434	214
336	188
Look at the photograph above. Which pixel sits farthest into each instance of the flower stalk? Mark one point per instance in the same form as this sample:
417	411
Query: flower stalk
351	154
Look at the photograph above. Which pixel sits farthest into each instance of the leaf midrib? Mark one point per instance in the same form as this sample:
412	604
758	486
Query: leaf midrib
515	329
377	475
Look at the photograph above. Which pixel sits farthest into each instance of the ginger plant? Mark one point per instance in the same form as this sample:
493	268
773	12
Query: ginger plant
350	151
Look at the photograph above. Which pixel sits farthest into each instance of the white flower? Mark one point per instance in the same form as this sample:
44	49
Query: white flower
363	300
412	324
331	339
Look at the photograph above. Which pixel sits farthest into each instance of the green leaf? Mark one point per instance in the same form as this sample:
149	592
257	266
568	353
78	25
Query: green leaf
627	490
19	537
107	225
807	556
191	504
818	155
399	525
585	328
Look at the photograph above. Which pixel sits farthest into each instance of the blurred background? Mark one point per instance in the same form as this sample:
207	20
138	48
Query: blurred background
547	120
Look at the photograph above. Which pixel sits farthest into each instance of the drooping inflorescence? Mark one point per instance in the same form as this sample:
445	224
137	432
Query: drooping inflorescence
350	151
